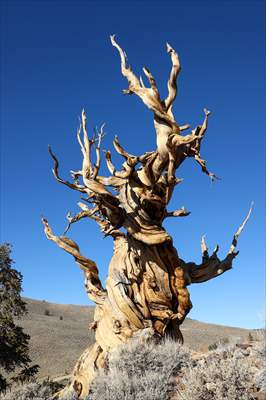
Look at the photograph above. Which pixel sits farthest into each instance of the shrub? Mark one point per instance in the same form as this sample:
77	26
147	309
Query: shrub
250	337
140	370
260	352
220	376
221	343
261	379
32	391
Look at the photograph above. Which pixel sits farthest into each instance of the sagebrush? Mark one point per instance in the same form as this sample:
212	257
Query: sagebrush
143	371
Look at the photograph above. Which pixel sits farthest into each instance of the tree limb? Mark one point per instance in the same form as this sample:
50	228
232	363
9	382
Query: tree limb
212	266
98	154
94	287
57	177
182	212
149	96
83	214
89	174
126	171
172	87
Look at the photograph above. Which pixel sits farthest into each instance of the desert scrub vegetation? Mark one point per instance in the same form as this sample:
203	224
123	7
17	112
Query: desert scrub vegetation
217	377
32	391
232	371
166	370
141	370
216	345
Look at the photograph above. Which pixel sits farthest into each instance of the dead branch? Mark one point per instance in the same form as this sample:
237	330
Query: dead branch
151	79
212	266
100	134
239	231
204	168
57	177
149	96
89	174
130	158
83	214
172	87
124	173
182	212
94	288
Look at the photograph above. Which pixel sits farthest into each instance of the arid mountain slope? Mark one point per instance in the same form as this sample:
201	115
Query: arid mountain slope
59	333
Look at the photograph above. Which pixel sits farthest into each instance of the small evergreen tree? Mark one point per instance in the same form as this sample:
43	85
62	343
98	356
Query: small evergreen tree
14	343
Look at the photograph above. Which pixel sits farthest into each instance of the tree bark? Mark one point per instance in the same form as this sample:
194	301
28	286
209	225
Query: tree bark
146	289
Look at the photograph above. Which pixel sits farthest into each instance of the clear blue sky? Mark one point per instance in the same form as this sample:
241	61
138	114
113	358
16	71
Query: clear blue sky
57	59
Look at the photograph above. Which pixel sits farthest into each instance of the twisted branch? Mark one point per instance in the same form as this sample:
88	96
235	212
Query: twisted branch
149	96
94	287
172	87
212	266
86	213
60	180
182	212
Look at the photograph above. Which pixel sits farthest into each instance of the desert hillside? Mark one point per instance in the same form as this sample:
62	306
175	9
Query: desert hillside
59	333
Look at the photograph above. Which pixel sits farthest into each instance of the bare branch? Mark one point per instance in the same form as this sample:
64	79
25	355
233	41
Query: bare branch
172	87
212	266
149	96
94	287
182	212
57	177
127	72
83	214
204	250
75	175
141	82
98	154
239	231
152	83
130	158
85	148
120	150
184	127
202	163
125	173
200	132
204	126
110	181
88	173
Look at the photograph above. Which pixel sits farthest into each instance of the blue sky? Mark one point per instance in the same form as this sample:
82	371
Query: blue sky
57	59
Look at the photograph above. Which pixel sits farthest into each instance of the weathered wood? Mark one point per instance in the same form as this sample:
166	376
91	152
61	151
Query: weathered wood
146	289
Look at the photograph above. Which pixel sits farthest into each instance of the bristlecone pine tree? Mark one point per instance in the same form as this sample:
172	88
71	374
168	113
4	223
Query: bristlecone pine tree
146	289
14	343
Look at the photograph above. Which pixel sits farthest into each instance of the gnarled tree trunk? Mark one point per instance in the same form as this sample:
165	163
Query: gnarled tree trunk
146	289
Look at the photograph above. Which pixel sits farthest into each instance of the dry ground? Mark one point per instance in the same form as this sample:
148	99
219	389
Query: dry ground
57	343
